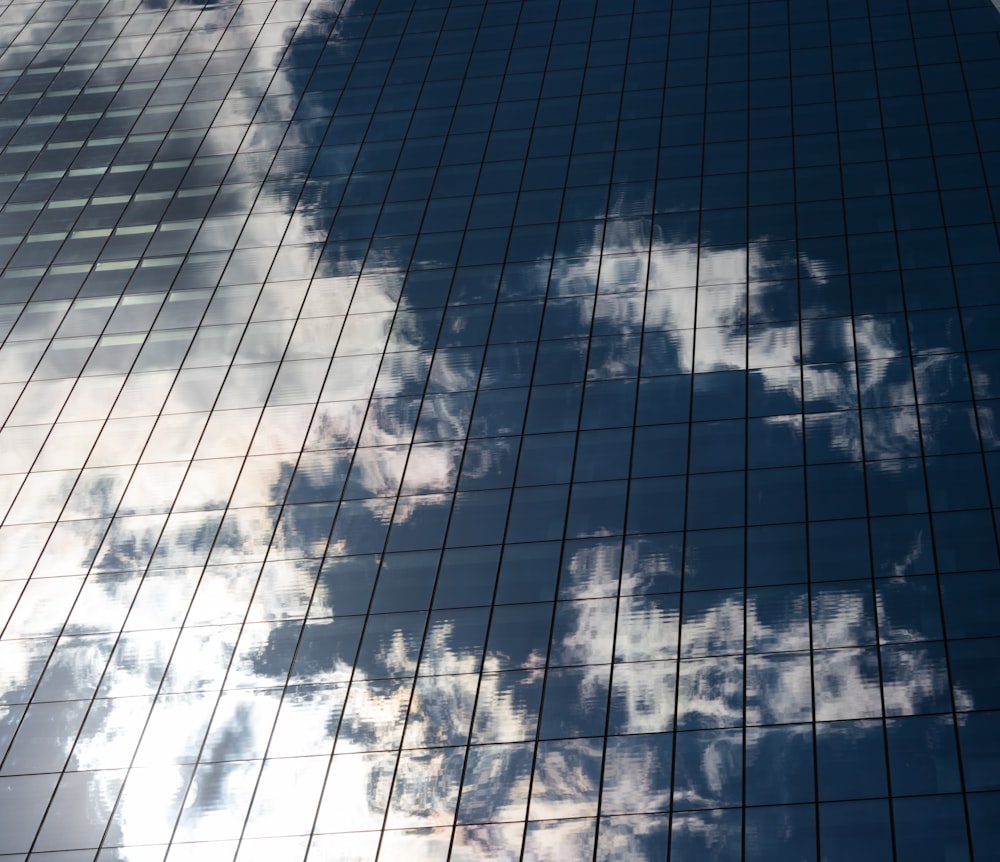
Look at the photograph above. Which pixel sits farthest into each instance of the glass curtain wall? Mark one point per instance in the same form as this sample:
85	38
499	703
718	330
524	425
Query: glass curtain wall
497	430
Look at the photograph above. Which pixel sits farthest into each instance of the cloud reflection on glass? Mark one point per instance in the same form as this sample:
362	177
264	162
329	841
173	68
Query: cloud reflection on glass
258	506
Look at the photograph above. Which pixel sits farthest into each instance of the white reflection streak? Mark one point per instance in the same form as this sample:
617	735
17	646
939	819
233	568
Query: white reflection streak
844	674
917	550
847	682
720	343
560	839
889	439
601	559
594	629
720	331
705	826
918	682
592	638
137	820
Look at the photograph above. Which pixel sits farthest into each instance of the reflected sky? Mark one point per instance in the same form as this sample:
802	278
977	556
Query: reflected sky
259	397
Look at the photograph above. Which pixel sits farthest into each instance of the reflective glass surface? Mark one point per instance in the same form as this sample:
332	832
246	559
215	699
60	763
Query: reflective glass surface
492	429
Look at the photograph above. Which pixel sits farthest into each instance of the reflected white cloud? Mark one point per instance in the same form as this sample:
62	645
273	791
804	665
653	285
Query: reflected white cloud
696	311
551	839
494	841
642	838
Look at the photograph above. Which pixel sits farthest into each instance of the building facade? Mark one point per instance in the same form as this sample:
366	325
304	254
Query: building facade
502	429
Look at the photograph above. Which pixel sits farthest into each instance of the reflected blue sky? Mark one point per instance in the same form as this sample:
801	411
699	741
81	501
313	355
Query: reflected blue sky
279	344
